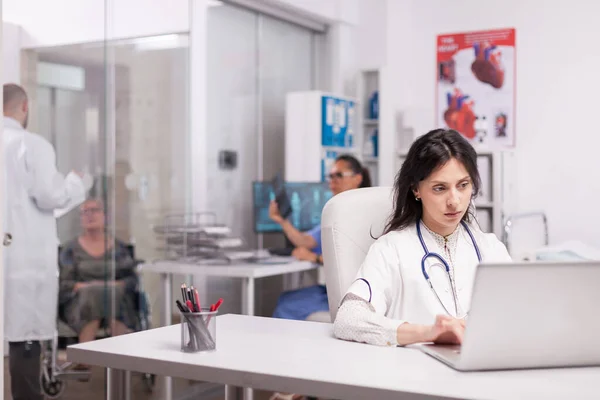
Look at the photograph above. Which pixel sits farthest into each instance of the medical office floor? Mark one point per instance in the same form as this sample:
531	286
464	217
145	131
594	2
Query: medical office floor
94	388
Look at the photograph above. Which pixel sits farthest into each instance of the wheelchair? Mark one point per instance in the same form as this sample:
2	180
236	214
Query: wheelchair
54	374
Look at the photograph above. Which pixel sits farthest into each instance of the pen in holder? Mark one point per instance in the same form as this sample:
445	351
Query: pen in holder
198	331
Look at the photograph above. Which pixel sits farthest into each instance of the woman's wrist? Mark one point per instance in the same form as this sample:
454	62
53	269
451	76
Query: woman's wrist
283	221
413	333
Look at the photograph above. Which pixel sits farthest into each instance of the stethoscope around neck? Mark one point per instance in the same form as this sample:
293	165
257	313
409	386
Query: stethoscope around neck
446	267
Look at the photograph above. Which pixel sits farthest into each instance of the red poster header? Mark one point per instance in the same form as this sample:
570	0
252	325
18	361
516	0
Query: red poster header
448	45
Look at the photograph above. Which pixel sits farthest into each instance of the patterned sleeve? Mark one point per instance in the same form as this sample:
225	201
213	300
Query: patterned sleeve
357	321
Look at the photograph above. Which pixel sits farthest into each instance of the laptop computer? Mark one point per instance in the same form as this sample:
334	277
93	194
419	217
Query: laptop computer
529	315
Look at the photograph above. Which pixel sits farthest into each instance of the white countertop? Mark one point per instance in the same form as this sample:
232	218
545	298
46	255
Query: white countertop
304	357
274	266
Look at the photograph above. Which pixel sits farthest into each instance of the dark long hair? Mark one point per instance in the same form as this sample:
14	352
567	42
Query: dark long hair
357	168
427	153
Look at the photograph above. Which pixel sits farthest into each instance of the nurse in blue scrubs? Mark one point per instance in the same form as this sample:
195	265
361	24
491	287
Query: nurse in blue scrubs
347	173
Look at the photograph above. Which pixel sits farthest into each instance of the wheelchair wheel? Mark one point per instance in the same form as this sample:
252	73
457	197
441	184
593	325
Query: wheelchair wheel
149	380
52	388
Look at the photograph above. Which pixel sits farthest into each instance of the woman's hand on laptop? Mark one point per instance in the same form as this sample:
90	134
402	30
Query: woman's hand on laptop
447	330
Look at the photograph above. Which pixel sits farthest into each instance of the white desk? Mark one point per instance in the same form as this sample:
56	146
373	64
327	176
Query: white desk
248	272
303	357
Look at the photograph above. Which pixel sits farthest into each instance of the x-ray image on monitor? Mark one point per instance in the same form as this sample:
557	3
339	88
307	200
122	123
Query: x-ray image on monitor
306	198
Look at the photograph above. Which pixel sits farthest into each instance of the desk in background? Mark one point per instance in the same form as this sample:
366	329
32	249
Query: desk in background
304	357
247	271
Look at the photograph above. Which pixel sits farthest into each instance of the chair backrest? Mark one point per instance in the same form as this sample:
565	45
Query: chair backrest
349	224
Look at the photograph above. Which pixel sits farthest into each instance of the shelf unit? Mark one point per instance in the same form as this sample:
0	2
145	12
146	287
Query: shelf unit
369	82
488	204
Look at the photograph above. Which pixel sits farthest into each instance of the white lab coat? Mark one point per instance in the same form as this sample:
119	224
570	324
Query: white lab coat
398	288
34	189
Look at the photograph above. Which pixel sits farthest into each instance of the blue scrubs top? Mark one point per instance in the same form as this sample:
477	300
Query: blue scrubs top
316	234
299	304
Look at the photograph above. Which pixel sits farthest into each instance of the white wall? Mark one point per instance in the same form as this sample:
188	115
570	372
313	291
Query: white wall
11	58
341	40
356	25
557	87
356	38
78	21
371	38
346	11
50	23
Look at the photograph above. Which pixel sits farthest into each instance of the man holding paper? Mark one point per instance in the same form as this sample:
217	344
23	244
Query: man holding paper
33	192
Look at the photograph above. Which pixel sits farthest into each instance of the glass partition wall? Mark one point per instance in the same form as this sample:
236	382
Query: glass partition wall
143	167
117	111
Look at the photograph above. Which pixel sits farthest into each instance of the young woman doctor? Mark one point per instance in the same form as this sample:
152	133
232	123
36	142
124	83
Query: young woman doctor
416	280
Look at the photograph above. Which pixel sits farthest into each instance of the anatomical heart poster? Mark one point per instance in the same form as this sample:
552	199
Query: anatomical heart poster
476	86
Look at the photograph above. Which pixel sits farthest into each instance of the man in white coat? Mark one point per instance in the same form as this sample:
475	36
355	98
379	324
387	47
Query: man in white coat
34	190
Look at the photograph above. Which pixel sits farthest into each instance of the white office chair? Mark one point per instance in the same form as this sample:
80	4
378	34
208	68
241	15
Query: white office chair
350	222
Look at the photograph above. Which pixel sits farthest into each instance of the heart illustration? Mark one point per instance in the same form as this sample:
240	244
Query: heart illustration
460	115
487	66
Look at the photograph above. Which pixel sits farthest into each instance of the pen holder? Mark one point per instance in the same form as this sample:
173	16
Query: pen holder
199	331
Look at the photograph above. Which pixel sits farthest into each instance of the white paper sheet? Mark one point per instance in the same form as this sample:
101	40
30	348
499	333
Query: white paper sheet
78	194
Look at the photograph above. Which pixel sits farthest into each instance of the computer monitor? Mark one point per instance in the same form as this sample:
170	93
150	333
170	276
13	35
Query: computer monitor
307	200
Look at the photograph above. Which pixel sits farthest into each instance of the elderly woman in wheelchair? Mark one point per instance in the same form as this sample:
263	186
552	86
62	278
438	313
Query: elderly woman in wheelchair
90	296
